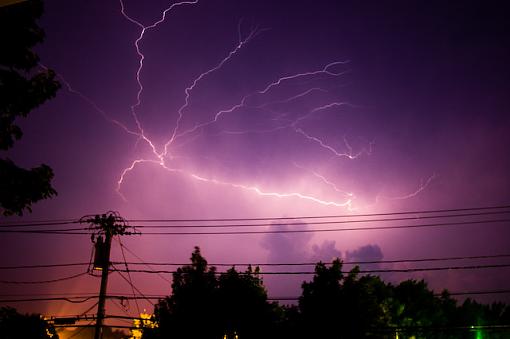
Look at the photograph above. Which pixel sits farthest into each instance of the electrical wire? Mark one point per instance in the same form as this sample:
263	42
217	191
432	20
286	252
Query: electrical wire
370	228
90	324
132	285
128	273
343	262
349	229
67	299
42	266
93	325
149	264
40	223
120	305
333	222
43	281
50	231
326	216
368	215
143	263
503	327
404	270
158	297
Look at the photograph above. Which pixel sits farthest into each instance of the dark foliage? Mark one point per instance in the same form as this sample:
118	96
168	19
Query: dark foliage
23	87
190	311
14	325
333	305
19	187
205	306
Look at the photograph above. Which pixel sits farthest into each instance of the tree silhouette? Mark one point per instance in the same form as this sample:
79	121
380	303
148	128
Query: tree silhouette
23	86
14	325
205	306
367	304
190	312
234	305
336	306
244	310
321	302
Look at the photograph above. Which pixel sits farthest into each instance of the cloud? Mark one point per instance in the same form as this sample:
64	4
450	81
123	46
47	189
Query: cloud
325	252
287	247
299	248
370	252
365	253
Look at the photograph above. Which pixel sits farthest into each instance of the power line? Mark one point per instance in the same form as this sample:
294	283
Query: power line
43	281
370	228
63	296
459	293
141	262
404	270
128	274
348	229
131	284
51	231
503	327
42	266
81	330
325	216
85	316
93	325
368	215
40	223
300	223
80	315
343	262
80	299
76	299
67	299
334	222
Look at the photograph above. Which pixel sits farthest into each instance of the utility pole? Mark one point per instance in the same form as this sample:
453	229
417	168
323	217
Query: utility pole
104	283
104	227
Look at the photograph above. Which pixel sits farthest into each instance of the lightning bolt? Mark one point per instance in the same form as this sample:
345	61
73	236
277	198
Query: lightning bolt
163	156
144	29
242	103
325	180
273	194
188	90
423	185
89	101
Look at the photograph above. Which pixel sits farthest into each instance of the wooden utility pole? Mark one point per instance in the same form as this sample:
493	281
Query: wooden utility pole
105	267
104	227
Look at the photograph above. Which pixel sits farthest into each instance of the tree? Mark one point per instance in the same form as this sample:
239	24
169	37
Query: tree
336	306
190	312
205	306
418	305
320	303
367	303
234	305
24	85
15	325
244	310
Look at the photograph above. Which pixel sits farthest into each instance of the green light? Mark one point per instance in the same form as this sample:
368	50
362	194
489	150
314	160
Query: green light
478	332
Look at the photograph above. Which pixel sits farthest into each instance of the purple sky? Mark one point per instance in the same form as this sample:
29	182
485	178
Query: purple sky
412	113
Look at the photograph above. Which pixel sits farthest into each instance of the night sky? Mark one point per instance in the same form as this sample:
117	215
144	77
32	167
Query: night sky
269	109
